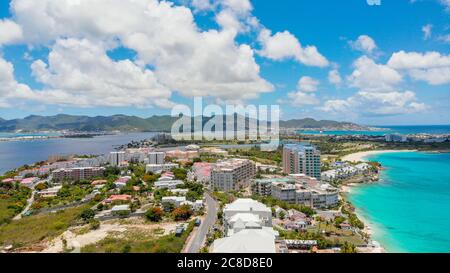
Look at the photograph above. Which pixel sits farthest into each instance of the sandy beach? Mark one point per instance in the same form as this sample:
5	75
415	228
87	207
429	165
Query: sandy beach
361	156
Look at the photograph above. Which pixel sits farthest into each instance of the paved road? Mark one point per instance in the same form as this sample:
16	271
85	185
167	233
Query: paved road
208	222
29	203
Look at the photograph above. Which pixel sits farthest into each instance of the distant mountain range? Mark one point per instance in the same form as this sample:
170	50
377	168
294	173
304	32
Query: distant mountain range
133	123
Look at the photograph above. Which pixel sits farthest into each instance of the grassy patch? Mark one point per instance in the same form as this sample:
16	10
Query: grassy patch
140	242
13	200
67	195
36	228
223	197
257	155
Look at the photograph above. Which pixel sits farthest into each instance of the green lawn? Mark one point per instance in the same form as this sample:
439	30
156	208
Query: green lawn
34	229
139	242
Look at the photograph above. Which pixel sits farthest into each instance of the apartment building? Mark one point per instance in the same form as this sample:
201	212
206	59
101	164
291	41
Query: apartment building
156	158
302	158
77	174
157	168
262	187
285	192
232	174
115	158
298	189
168	184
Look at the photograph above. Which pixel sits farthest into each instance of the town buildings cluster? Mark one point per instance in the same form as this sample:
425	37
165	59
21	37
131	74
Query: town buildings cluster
344	170
298	189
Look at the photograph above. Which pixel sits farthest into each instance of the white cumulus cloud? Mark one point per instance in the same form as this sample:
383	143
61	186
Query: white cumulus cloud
284	45
365	44
431	67
376	104
10	32
165	36
334	77
305	93
369	75
80	73
10	89
308	84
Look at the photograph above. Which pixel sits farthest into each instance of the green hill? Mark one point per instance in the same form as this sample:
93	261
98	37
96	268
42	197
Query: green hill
132	123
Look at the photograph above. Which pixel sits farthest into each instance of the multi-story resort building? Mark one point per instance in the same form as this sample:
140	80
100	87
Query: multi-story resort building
77	174
232	174
156	158
298	189
157	168
167	184
115	158
137	155
301	158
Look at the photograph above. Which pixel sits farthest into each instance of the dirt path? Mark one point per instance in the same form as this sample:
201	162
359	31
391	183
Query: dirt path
29	203
77	241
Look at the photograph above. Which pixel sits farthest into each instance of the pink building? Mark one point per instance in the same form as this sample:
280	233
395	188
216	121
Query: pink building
29	182
178	154
124	179
202	172
114	198
8	180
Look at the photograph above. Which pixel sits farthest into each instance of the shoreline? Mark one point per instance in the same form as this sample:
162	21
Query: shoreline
368	225
361	156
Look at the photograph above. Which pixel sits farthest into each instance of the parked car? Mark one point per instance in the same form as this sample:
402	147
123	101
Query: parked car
198	222
179	231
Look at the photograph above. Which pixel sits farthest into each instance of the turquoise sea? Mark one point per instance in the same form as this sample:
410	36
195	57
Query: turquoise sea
346	133
409	210
413	129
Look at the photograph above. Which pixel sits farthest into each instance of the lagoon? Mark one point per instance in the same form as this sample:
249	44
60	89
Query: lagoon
14	154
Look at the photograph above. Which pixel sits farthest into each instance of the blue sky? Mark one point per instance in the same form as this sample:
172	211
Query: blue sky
391	62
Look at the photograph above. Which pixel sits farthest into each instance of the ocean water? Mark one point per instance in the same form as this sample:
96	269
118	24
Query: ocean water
347	133
425	129
409	209
405	130
14	154
12	135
